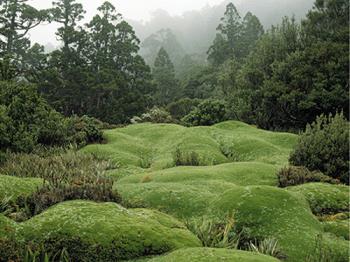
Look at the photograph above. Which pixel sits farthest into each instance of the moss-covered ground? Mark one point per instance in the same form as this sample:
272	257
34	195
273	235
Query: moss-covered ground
233	174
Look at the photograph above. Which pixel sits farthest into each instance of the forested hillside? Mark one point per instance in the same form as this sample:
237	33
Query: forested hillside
179	147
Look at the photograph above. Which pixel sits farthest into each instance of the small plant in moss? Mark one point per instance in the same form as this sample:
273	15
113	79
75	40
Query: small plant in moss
268	246
146	179
215	234
323	253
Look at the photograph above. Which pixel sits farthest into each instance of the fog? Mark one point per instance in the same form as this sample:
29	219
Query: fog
192	22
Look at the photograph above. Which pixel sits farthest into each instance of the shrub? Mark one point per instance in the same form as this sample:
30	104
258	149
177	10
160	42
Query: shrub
324	146
84	130
207	113
182	158
297	175
26	119
182	107
66	176
155	115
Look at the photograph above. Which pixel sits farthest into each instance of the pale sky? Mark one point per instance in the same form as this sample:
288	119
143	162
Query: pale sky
140	10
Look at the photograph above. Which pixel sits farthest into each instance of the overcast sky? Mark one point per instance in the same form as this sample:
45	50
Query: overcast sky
130	9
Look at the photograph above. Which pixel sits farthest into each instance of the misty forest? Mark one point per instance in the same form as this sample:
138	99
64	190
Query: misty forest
218	135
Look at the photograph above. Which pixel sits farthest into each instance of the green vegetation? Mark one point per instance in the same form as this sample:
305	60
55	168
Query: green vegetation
212	255
325	146
89	227
219	182
12	188
324	198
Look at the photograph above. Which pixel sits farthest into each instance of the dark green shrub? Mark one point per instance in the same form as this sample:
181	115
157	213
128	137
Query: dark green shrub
182	107
27	120
324	146
297	175
207	113
182	158
84	130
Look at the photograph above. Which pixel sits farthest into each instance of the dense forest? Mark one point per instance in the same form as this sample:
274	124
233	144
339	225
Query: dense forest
284	76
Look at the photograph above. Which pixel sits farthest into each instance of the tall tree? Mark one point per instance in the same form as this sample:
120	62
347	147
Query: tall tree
119	78
17	18
66	89
164	77
226	43
252	30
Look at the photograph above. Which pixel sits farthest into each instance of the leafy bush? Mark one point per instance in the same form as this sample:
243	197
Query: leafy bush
26	121
207	113
324	146
155	115
182	107
297	175
84	130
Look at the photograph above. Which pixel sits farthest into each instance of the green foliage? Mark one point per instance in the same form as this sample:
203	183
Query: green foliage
27	120
338	228
207	113
324	146
167	87
236	37
297	175
182	107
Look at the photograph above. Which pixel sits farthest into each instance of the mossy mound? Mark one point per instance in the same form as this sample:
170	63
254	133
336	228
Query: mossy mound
7	227
14	187
239	173
338	228
106	231
153	145
212	255
324	198
266	212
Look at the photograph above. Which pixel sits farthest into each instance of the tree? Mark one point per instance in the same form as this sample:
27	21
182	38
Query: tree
120	80
164	77
252	30
17	18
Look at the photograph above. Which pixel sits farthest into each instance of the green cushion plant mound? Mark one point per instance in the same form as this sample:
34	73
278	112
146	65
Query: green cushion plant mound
13	187
153	145
106	231
212	255
263	212
324	198
338	228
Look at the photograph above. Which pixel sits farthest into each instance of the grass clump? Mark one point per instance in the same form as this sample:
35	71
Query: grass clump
215	234
297	175
268	246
